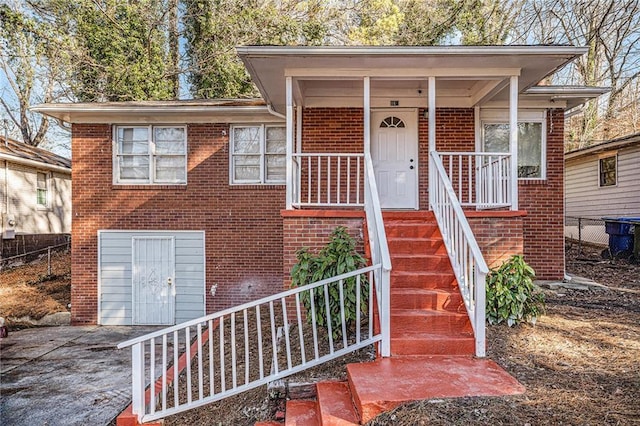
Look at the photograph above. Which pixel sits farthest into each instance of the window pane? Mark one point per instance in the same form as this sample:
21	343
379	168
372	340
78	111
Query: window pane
134	167
133	140
496	139
41	195
246	167
42	181
246	140
169	140
608	171
530	150
276	168
276	140
170	169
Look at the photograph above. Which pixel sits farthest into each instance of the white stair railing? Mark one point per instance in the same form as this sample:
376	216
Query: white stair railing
379	254
468	264
248	346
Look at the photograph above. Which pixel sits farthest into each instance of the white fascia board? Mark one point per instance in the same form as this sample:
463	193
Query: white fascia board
96	113
35	164
262	51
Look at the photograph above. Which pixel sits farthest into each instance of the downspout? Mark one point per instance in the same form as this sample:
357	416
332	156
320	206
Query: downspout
273	112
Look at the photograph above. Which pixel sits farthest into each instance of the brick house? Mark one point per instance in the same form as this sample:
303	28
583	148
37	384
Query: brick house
183	208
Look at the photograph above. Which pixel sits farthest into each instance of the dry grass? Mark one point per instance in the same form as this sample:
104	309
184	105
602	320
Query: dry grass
27	291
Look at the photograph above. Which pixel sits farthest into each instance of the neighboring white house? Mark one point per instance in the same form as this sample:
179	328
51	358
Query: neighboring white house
35	194
602	181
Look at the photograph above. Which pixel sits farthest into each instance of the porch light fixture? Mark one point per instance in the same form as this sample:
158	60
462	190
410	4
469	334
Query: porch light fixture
425	114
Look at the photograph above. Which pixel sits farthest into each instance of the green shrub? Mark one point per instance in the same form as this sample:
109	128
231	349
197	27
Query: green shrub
511	295
338	257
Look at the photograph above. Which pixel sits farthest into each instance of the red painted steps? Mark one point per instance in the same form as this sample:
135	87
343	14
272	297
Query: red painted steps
428	316
333	407
301	413
381	385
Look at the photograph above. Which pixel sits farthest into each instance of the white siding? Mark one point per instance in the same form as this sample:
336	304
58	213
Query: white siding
585	198
115	280
22	204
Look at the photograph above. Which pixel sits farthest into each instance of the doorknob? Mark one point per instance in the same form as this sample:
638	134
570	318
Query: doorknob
411	167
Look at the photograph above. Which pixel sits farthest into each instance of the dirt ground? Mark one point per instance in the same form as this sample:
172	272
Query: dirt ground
27	290
580	364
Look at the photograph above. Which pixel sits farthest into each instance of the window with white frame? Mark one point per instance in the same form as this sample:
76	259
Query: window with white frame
150	155
258	154
607	166
42	189
531	140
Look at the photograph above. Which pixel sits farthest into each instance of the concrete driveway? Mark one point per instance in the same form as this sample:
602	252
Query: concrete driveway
65	375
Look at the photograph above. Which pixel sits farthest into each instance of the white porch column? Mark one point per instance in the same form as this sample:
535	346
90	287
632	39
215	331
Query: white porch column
367	115
431	105
289	129
513	139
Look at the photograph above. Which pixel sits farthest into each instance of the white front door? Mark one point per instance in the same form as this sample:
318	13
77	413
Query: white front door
394	151
153	276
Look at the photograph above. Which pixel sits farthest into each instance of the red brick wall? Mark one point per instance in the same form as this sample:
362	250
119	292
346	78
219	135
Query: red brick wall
544	203
242	224
455	131
313	232
332	130
498	237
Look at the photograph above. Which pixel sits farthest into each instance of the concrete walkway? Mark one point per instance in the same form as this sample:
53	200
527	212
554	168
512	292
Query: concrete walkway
65	375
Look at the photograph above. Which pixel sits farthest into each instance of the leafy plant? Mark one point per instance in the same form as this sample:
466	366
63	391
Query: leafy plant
338	257
511	295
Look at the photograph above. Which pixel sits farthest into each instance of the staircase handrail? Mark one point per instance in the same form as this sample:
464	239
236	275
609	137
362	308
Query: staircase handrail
156	356
464	252
379	254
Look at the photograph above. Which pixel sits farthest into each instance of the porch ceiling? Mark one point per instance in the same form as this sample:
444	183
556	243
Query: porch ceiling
466	75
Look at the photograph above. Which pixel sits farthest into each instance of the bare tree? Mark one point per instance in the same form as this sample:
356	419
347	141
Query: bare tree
31	62
611	31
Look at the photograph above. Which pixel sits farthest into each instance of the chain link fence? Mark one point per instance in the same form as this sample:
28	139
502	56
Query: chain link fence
49	255
592	232
584	230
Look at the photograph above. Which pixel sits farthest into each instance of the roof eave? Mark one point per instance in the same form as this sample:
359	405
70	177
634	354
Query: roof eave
407	50
609	145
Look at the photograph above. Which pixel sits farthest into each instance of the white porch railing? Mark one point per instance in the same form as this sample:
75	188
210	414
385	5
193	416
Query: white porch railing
466	259
234	353
328	180
479	179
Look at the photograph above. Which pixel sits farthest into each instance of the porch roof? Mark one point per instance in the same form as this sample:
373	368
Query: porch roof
466	75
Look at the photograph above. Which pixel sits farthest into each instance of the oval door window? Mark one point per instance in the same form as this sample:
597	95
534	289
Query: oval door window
392	122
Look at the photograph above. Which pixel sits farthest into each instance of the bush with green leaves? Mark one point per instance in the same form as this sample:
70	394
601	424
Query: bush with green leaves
338	257
511	294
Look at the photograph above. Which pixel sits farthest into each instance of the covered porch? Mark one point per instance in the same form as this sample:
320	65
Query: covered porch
406	107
